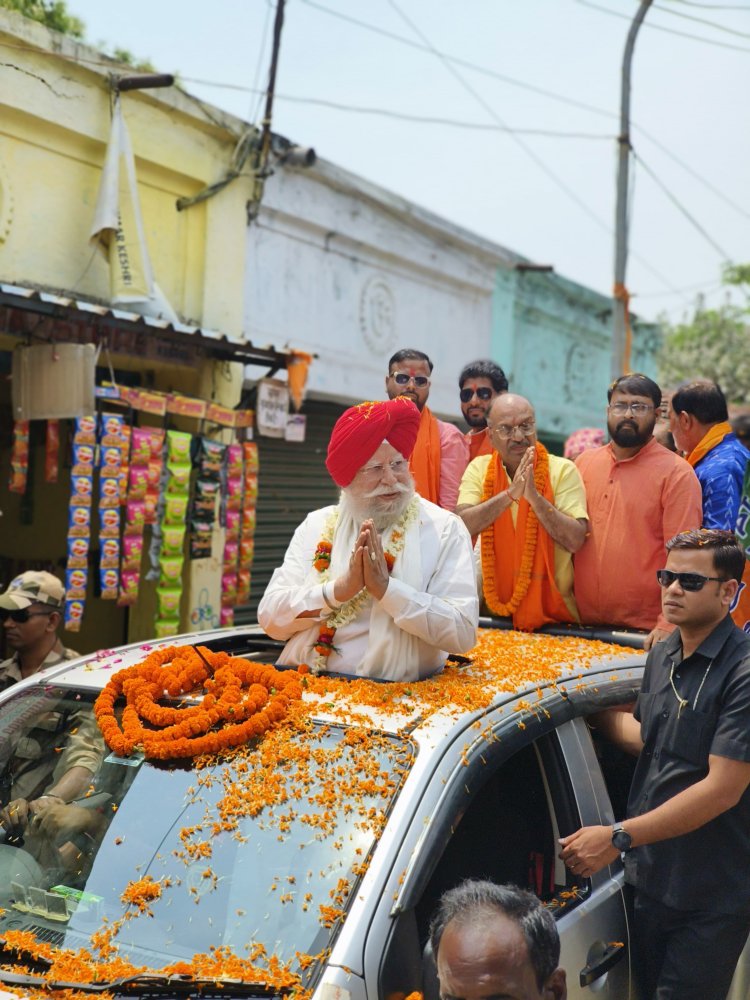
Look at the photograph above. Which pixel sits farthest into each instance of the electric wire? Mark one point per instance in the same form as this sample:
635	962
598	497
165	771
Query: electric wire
668	31
406	116
718	6
524	85
681	208
702	20
558	181
467	64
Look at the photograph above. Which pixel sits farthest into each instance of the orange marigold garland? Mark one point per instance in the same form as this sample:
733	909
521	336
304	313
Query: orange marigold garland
523	580
241	701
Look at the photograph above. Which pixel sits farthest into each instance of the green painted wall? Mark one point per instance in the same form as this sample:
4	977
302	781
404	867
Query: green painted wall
553	338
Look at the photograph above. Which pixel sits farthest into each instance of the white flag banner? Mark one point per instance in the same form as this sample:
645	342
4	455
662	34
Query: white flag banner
118	229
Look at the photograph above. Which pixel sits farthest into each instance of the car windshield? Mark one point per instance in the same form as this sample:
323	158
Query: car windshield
257	853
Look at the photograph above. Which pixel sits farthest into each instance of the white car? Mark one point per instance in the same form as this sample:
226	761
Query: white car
311	865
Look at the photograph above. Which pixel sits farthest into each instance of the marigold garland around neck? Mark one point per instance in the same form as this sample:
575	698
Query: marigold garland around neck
241	701
348	611
523	581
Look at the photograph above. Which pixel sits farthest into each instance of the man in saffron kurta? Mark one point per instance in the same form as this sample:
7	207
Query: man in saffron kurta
639	496
530	508
699	422
382	584
441	453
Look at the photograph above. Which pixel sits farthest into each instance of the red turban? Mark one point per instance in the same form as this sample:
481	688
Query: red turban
360	431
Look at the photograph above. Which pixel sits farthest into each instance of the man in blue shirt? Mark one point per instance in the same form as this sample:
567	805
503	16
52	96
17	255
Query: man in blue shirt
699	422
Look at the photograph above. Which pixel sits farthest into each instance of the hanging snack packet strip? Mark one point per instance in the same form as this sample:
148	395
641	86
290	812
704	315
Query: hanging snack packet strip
172	532
19	457
79	521
155	464
112	460
247	520
52	451
231	517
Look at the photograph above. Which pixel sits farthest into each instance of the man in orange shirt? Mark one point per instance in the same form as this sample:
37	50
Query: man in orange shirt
479	384
639	495
441	453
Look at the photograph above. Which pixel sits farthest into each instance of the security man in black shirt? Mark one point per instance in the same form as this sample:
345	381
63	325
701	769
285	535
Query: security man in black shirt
686	839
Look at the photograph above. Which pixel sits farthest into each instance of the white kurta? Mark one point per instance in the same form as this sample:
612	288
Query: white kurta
429	609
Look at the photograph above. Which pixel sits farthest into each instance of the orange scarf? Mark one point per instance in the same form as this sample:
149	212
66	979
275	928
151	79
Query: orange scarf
713	436
518	564
424	463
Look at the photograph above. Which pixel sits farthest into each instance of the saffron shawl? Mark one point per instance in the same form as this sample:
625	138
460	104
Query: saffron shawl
518	563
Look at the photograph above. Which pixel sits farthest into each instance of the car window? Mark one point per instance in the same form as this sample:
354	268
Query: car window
159	862
617	770
503	825
509	830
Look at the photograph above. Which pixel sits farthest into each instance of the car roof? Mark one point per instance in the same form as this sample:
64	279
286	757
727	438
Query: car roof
505	667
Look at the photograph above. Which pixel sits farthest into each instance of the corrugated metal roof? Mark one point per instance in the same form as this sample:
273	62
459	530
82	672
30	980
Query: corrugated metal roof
65	307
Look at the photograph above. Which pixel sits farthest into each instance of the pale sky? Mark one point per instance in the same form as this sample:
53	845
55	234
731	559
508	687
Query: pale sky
548	197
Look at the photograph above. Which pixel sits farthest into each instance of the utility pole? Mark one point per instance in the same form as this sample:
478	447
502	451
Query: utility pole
264	147
621	334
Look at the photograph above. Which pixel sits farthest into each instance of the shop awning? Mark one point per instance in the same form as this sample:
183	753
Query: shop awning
33	315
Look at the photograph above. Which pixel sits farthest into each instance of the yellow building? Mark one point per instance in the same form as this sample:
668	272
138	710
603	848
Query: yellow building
56	105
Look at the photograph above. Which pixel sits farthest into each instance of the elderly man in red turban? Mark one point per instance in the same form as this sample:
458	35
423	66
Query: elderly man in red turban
381	585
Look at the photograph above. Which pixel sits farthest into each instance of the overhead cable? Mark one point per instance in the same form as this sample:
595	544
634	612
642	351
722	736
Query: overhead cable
467	64
524	85
681	208
405	116
669	31
558	181
702	20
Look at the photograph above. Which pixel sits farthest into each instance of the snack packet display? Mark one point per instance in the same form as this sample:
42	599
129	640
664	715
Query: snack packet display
19	457
113	464
169	534
79	521
52	451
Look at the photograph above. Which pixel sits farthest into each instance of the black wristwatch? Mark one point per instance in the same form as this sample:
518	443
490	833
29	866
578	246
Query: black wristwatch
621	839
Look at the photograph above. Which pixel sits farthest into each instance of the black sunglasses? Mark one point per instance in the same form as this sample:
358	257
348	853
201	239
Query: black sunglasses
21	616
401	378
688	581
482	392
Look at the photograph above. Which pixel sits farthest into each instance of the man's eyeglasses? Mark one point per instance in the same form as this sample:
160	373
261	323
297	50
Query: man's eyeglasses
483	392
637	409
509	430
20	616
401	378
687	581
398	466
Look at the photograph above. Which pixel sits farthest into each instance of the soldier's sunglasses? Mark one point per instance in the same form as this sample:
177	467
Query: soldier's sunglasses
21	615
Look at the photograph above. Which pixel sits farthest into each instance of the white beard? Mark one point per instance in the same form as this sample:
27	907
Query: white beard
365	506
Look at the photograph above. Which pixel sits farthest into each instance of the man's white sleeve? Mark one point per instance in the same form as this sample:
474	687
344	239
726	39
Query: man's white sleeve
446	613
290	591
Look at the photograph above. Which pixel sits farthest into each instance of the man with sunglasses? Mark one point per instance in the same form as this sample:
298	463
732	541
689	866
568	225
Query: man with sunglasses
639	494
685	840
31	613
54	760
479	384
441	453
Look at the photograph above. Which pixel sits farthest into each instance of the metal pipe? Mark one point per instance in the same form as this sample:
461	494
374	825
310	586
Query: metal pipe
620	345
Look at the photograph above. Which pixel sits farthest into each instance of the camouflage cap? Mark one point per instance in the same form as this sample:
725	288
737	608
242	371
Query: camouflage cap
33	588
